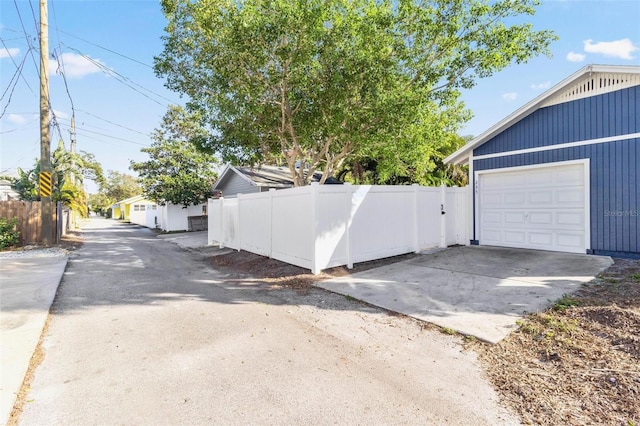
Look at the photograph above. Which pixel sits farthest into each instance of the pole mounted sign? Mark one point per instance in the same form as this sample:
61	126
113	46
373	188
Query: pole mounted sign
45	184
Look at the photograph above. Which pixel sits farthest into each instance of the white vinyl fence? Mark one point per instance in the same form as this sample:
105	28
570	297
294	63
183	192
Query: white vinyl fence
322	226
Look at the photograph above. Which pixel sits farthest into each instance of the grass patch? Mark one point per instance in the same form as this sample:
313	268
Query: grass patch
565	302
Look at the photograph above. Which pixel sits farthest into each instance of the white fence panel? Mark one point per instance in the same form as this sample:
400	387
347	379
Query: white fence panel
332	237
293	224
383	222
429	216
456	204
230	226
214	210
255	220
319	227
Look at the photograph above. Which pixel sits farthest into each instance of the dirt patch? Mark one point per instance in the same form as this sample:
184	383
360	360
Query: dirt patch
242	264
71	241
578	362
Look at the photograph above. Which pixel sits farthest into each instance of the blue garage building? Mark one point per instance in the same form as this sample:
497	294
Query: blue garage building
562	173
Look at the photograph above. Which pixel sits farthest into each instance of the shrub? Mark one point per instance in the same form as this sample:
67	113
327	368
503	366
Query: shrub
9	235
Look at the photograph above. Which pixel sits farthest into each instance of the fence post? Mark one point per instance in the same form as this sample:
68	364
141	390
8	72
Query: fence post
58	222
443	216
416	218
315	268
239	228
272	192
221	242
347	223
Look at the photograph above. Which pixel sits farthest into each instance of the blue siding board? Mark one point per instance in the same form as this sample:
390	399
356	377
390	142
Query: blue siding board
610	114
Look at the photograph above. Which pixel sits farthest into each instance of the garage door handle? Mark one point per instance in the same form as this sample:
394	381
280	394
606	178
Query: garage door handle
442	209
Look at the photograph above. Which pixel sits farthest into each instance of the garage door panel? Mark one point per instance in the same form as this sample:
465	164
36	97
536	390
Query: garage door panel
540	238
571	241
514	218
493	235
540	198
570	218
492	199
571	175
516	198
568	197
515	237
545	210
539	178
494	218
541	218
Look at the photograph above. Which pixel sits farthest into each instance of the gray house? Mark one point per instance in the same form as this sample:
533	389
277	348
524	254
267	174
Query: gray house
245	180
562	173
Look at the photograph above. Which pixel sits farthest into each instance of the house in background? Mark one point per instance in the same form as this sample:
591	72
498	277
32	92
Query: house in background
562	173
246	180
122	209
6	193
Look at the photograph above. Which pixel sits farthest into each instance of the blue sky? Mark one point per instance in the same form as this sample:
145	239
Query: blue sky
107	49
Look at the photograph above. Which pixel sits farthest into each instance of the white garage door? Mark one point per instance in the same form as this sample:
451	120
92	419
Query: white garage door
541	208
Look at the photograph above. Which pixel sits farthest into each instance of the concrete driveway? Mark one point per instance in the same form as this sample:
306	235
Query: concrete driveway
478	291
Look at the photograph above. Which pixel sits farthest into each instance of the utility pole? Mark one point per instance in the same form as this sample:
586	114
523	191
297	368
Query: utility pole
73	134
73	148
45	137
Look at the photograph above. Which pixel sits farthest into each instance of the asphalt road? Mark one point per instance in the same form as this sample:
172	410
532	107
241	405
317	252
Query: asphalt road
143	332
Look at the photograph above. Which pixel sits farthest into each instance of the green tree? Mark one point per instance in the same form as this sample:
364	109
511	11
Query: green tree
314	82
120	186
68	173
177	172
99	203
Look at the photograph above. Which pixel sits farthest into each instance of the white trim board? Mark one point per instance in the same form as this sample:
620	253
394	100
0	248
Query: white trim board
559	146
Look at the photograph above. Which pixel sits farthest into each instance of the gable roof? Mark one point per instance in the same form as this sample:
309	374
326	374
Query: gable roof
130	200
589	81
261	176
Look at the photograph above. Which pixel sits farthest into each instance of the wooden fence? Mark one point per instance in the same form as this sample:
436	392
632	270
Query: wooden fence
29	214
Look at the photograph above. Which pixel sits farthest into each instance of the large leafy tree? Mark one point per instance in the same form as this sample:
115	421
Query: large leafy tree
313	82
177	172
120	186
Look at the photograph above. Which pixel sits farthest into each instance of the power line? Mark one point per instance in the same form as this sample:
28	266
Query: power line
12	84
14	63
107	49
113	137
121	78
110	122
60	61
26	35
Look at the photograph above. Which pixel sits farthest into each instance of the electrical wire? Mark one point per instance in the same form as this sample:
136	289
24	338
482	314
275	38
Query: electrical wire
107	49
14	63
121	78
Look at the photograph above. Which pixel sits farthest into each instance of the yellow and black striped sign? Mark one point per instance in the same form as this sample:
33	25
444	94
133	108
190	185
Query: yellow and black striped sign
45	184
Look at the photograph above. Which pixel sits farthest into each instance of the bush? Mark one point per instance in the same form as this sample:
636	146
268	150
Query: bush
9	235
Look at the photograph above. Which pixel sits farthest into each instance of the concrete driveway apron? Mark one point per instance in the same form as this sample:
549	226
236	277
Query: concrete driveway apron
478	291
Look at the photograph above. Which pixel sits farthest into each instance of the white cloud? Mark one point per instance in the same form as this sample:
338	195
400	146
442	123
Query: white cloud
75	66
511	96
575	57
16	119
9	52
541	86
618	49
